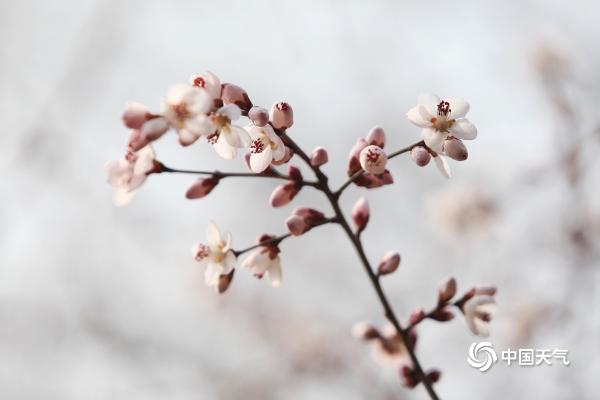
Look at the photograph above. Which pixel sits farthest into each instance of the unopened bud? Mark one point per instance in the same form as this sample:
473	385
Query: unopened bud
225	282
446	291
232	94
318	157
296	225
135	115
360	214
136	140
259	116
376	136
389	263
434	375
202	187
303	219
410	377
373	159
442	315
417	316
420	156
283	194
455	149
281	116
294	173
154	128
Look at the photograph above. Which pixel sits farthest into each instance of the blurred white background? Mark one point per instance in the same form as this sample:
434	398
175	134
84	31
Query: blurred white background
98	302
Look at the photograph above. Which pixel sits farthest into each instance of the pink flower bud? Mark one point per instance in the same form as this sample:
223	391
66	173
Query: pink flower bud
373	159
294	173
259	116
447	291
282	116
283	194
202	187
136	140
289	153
360	214
442	315
420	156
417	316
455	149
232	94
296	225
318	157
389	263
154	128
409	376
434	375
225	282
135	115
376	136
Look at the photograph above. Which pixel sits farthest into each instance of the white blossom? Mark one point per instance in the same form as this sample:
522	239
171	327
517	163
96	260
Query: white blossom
227	137
209	82
186	108
479	311
265	148
129	173
441	118
216	254
265	260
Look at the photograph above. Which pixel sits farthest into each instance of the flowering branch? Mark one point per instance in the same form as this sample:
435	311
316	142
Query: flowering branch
207	109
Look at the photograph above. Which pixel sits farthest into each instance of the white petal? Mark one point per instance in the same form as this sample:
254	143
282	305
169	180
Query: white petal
275	273
243	135
261	161
122	196
458	108
227	241
415	117
199	126
442	165
257	262
463	129
430	102
213	235
186	137
433	139
211	274
223	149
481	328
232	139
228	263
231	111
279	149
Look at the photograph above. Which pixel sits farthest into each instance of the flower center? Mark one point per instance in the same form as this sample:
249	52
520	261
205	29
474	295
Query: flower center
199	82
220	120
441	123
202	252
372	156
181	111
257	146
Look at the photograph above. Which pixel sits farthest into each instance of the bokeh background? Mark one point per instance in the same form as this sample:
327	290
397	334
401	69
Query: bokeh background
98	302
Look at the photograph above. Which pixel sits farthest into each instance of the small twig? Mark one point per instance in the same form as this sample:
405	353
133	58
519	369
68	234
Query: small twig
274	174
278	239
439	307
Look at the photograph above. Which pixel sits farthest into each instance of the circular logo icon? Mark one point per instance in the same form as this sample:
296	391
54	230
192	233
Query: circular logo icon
482	356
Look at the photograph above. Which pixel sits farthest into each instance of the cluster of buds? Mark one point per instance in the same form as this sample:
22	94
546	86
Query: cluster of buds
205	108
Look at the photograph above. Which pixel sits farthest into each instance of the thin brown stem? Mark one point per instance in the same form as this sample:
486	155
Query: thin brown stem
278	239
273	174
388	311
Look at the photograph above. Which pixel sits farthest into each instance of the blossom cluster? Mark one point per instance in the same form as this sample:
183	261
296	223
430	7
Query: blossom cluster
206	109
